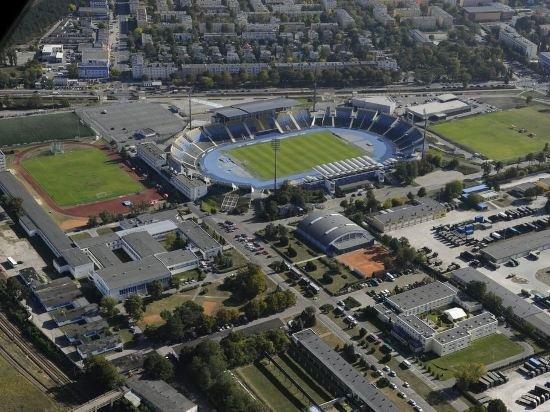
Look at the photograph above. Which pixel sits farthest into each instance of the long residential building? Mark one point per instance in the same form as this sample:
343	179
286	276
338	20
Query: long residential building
511	38
336	374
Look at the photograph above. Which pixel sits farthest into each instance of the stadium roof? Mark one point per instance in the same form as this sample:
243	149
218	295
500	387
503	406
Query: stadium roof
238	110
345	373
326	228
519	245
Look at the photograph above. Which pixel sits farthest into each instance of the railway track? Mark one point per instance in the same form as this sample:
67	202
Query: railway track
49	368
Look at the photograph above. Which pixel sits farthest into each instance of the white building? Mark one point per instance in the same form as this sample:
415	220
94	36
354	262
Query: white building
511	38
192	188
95	63
52	53
382	104
151	154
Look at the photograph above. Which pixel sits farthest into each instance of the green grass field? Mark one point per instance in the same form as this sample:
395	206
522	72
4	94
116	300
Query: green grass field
486	350
33	129
297	154
80	176
18	394
496	135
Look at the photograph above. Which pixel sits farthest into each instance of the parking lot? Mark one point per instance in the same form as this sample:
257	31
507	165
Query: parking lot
515	388
20	250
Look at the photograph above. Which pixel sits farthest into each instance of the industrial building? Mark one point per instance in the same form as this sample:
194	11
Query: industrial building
489	13
523	310
382	104
160	396
516	247
333	233
423	210
336	374
438	110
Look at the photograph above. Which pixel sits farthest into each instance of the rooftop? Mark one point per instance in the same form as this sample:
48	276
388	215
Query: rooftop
418	325
133	273
407	212
521	244
60	291
161	395
437	107
104	255
143	244
422	295
258	106
197	235
346	373
175	257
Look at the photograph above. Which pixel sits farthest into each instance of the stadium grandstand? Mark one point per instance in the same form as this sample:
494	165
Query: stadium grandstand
384	138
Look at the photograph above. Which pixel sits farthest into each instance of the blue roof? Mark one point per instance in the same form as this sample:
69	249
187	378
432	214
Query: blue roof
475	189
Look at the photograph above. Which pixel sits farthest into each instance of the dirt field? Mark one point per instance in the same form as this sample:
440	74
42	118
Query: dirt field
367	262
75	216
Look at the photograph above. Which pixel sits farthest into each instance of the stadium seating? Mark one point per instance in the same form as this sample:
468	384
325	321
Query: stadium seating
398	130
364	119
216	132
410	142
382	123
238	131
285	122
303	118
343	115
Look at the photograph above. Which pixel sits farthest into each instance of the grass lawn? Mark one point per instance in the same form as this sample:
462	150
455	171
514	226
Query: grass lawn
80	235
32	129
80	176
486	350
345	278
297	154
496	135
153	309
18	394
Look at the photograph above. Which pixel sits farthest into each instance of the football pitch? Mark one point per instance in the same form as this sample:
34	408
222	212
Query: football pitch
505	135
33	129
80	176
296	154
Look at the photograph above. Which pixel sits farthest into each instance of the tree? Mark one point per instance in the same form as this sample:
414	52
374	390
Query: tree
108	306
100	376
12	205
421	192
528	99
93	221
467	374
134	307
155	289
476	289
14	287
158	367
308	316
310	266
487	167
291	252
496	405
452	189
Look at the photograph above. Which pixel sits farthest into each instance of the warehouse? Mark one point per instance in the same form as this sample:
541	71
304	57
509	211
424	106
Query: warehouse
438	110
516	247
381	104
407	215
333	233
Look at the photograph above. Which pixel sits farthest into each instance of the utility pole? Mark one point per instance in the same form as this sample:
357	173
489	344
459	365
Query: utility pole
315	88
275	145
189	104
424	147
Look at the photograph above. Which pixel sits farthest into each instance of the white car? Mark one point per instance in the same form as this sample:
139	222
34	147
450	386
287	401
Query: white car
406	384
393	385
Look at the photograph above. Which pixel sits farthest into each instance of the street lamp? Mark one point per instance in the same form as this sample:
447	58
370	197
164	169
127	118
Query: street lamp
276	146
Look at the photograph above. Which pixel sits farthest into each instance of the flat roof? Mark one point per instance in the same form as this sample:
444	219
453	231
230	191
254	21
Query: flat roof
418	324
522	244
88	242
175	257
161	395
143	244
491	8
79	330
152	149
422	295
58	292
197	235
258	106
34	212
195	182
133	273
434	108
104	255
407	212
347	374
521	308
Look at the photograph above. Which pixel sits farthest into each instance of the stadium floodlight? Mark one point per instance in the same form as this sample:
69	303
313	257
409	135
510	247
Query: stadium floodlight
276	146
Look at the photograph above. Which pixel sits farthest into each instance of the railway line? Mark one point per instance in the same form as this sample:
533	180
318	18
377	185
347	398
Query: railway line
49	368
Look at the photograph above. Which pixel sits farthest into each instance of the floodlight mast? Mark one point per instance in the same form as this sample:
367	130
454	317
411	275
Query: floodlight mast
276	146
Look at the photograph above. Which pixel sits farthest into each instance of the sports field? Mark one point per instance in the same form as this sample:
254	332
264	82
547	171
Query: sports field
505	135
80	176
33	129
297	154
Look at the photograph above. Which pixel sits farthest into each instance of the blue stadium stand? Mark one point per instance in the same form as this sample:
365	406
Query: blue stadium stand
343	115
398	130
382	124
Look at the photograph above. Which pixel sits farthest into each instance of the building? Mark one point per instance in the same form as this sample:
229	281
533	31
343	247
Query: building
381	104
511	38
516	247
95	63
201	242
443	19
333	233
423	210
3	166
344	19
402	312
544	61
160	396
523	311
489	13
336	374
51	53
191	187
59	293
151	154
438	110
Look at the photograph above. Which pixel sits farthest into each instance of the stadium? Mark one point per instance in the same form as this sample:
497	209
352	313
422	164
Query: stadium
332	147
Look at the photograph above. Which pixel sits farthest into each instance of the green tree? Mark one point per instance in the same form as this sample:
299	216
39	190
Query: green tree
155	289
158	367
496	405
108	306
421	192
134	307
291	252
308	316
100	376
467	374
